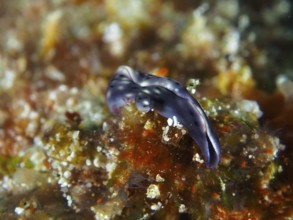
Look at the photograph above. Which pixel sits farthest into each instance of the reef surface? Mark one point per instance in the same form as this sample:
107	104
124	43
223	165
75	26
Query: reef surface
63	155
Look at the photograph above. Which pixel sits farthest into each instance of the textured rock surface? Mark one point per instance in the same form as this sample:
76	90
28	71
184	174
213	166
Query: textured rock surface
63	155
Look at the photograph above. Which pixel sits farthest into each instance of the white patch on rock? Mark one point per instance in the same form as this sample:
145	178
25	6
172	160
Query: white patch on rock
153	192
197	158
250	106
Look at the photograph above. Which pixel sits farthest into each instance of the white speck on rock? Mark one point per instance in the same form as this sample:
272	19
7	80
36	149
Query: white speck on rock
67	174
165	133
156	206
250	106
153	192
19	210
159	179
170	121
7	79
197	158
174	122
112	33
182	208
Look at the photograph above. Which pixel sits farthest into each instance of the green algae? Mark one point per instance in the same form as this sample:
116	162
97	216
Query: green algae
9	164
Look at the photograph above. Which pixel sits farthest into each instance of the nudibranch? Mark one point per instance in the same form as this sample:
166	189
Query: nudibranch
169	99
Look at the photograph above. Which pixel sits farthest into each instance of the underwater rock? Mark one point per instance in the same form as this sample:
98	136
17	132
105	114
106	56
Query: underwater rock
64	156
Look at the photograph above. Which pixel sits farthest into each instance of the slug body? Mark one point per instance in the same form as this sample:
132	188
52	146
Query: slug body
169	99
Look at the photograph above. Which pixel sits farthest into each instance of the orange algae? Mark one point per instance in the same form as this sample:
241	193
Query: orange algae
143	154
162	72
223	213
139	155
247	154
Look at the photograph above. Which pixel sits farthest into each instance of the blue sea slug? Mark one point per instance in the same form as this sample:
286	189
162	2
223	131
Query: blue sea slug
169	99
